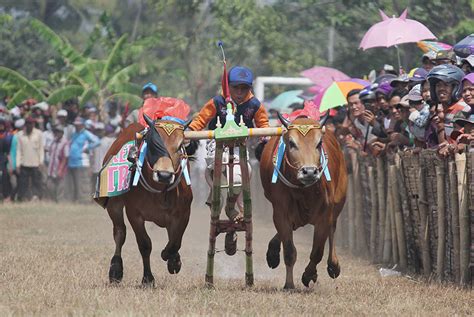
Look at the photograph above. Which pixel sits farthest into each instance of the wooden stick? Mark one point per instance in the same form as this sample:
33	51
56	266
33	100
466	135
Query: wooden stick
402	248
387	243
464	219
424	237
441	207
391	211
453	184
351	209
361	239
373	214
382	205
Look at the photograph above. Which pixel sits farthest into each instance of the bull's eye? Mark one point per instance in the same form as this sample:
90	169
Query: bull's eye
292	144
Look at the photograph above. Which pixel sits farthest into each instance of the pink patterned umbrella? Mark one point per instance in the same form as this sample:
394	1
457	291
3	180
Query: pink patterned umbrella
394	31
324	76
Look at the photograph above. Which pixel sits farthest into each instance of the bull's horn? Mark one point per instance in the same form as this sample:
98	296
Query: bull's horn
187	123
148	120
283	120
323	120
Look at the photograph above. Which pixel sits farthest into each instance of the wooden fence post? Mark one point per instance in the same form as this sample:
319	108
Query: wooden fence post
351	209
424	237
464	219
453	185
387	243
441	207
391	212
381	205
373	214
361	239
402	249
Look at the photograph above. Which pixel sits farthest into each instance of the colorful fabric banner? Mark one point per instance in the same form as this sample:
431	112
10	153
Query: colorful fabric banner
114	177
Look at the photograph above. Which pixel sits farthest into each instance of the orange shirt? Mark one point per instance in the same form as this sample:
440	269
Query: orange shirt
208	112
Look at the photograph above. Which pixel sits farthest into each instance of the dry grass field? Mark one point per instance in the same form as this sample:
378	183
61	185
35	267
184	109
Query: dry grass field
54	260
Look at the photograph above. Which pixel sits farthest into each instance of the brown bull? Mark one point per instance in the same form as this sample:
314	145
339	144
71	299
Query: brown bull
152	200
302	195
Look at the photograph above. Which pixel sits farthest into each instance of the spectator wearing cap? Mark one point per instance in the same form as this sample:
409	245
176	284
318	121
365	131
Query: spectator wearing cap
445	57
467	64
105	134
61	119
78	177
400	83
29	159
467	133
427	60
5	146
419	115
418	76
381	97
57	167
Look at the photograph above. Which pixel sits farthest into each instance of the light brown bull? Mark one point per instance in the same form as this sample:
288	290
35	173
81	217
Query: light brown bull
302	195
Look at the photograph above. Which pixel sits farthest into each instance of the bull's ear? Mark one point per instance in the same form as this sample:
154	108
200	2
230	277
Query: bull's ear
148	120
283	120
323	120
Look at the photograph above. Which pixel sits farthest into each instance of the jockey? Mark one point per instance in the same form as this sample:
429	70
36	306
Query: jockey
251	109
149	91
253	114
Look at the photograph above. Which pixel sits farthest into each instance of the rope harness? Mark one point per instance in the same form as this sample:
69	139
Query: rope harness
281	154
169	128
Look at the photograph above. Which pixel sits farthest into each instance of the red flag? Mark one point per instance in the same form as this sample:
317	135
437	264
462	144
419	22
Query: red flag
225	84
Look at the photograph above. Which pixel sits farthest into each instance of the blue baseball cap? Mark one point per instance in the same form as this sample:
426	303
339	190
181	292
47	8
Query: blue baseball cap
150	86
240	75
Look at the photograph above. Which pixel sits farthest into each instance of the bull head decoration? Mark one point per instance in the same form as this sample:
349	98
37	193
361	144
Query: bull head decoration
304	128
156	145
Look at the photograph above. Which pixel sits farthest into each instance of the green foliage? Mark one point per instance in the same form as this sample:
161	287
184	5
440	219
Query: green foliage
64	94
21	84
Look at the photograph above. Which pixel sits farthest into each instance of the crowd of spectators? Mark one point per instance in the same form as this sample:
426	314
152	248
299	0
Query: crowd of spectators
431	107
53	152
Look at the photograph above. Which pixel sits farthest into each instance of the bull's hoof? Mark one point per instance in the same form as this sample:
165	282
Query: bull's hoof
273	254
230	243
116	269
307	277
148	281
174	264
334	270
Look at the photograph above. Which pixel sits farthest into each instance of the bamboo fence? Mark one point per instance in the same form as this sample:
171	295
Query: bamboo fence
412	210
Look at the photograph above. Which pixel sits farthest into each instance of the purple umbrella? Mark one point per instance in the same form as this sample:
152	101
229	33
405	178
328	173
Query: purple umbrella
324	76
394	31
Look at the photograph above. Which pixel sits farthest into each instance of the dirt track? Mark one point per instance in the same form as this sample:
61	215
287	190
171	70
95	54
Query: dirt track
54	261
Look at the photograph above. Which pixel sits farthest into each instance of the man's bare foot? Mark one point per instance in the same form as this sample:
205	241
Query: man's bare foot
234	215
